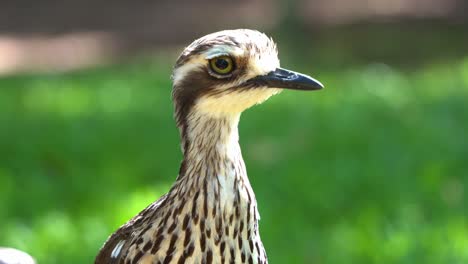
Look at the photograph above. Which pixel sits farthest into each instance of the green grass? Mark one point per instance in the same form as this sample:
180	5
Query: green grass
373	169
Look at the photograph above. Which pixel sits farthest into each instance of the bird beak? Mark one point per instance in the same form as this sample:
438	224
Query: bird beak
286	79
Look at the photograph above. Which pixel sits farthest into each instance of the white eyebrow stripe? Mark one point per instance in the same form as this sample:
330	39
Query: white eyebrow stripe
185	69
223	50
214	55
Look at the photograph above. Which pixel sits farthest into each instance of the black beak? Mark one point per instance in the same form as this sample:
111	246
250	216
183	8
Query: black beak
282	78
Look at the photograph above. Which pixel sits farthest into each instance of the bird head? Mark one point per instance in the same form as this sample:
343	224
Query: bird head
226	72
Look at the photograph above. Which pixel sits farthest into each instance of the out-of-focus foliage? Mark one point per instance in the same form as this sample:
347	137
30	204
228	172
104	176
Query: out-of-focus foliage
372	169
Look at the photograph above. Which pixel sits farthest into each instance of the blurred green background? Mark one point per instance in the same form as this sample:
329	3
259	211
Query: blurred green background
372	169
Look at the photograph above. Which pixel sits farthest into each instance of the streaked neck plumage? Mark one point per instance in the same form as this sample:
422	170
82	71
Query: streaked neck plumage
213	175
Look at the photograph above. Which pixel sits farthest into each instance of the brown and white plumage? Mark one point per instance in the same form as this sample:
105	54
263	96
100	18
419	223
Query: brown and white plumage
210	214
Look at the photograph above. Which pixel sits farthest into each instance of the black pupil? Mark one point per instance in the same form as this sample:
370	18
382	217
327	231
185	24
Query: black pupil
221	64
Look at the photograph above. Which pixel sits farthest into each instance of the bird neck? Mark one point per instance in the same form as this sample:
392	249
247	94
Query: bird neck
210	144
217	207
213	163
212	138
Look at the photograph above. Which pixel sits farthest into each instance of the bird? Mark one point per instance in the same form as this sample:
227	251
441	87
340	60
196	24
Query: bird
210	213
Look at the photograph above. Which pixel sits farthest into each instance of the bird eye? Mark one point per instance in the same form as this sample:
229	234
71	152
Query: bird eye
222	65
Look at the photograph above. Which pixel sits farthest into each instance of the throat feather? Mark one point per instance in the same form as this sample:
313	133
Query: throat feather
212	156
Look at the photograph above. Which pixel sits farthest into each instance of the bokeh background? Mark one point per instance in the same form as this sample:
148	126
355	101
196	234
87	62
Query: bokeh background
372	169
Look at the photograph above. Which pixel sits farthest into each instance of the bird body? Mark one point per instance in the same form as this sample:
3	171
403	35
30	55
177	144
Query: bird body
210	214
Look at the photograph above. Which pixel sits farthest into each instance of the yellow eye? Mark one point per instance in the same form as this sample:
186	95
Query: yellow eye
222	65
